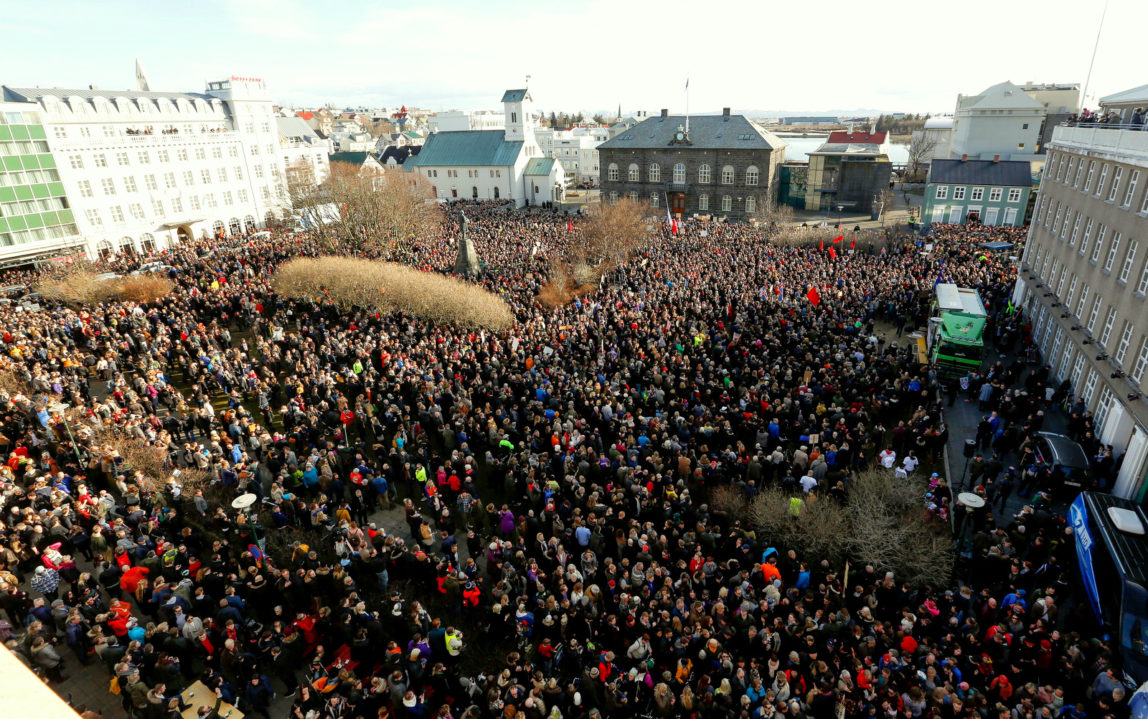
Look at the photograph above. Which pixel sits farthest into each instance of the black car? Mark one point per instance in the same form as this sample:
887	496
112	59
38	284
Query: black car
1071	469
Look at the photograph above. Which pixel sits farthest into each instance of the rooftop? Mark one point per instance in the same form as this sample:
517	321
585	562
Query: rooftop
539	166
1136	94
515	95
872	138
1002	96
486	148
35	94
733	132
1006	173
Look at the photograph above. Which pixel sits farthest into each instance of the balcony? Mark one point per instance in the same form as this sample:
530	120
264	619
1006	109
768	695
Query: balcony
677	187
1117	140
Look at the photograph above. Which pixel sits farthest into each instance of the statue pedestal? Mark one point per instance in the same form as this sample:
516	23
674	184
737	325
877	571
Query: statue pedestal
467	261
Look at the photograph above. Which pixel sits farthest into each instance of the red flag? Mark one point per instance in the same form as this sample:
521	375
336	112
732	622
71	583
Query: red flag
674	229
569	225
832	253
814	297
839	238
853	243
822	245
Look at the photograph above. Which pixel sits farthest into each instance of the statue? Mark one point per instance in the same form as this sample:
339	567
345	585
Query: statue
467	262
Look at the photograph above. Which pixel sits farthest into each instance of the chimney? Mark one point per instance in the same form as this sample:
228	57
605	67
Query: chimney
725	114
996	158
665	113
964	158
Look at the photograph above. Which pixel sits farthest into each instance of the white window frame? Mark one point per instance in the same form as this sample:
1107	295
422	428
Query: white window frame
705	175
1095	313
995	194
1137	372
1122	346
703	202
1129	258
959	192
633	173
1102	181
977	194
1133	181
751	176
727	176
750	204
612	172
1109	322
1014	194
655	173
1117	176
1113	248
942	192
1101	232
726	203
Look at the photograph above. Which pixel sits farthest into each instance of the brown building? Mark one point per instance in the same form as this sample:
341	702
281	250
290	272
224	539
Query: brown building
725	165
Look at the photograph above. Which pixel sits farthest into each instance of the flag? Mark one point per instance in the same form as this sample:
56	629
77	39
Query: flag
674	228
839	238
832	253
687	83
141	78
669	220
814	297
569	225
1010	309
853	243
822	245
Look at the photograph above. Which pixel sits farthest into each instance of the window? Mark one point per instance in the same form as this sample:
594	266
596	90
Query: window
1075	230
978	194
176	205
704	175
1122	347
1141	361
634	196
1116	176
222	173
1068	175
1067	222
169	180
1056	220
1081	302
1142	286
122	159
703	202
655	172
514	117
1091	173
612	172
942	192
958	193
85	188
238	173
1077	366
613	194
181	155
100	159
1020	146
679	174
1100	233
1109	321
164	156
117	213
1079	174
751	204
995	194
193	202
633	174
108	185
205	176
94	218
243	194
255	150
1101	181
1087	237
188	178
259	171
726	203
233	151
200	153
149	182
1133	180
751	175
228	199
654	200
157	208
76	161
210	199
217	153
1129	258
727	176
1095	312
1112	250
1061	166
137	211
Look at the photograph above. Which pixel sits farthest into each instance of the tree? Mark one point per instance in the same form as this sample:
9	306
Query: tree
920	149
380	127
364	210
600	119
612	233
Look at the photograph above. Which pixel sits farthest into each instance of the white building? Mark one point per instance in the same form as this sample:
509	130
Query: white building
1001	121
937	134
302	148
491	164
143	170
466	120
1057	99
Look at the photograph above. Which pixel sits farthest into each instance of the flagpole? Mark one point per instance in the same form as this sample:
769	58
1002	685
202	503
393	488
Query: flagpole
687	106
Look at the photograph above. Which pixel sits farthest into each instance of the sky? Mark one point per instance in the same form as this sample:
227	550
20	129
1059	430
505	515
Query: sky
587	55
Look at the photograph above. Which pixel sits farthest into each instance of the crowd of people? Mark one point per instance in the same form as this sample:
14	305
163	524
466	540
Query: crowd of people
561	556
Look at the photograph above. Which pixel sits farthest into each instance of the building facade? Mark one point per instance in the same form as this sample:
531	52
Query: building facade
850	171
1002	120
1084	283
986	191
305	154
142	171
466	120
726	165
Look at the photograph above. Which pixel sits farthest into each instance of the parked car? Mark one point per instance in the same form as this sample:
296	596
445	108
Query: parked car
1071	470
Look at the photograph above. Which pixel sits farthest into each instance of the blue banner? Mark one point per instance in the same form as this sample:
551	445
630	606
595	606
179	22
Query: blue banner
1078	518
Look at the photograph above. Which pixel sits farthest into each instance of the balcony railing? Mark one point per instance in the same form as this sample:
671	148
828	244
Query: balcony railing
141	141
1103	137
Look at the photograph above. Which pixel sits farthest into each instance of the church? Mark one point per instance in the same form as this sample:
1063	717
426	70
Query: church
492	164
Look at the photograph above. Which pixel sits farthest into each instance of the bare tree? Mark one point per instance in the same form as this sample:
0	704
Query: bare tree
612	233
920	149
361	210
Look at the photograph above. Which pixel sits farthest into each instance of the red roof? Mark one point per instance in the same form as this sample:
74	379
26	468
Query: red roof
866	138
306	115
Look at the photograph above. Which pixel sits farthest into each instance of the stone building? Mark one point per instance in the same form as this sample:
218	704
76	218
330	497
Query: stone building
725	165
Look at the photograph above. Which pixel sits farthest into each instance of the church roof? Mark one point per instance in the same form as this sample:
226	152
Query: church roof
514	95
539	166
735	132
486	148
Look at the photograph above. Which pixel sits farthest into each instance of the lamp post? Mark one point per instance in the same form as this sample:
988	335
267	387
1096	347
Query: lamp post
61	408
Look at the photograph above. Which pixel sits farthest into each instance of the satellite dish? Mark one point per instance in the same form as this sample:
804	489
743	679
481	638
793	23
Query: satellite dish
973	501
243	501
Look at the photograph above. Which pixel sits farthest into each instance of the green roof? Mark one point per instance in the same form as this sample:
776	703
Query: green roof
539	166
485	148
514	95
356	158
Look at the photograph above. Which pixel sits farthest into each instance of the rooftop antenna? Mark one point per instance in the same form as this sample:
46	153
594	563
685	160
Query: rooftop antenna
1088	78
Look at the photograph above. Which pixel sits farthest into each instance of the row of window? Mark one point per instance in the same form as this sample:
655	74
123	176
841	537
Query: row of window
1114	246
159	209
749	204
977	194
1082	228
143	157
108	184
1079	172
469	173
705	174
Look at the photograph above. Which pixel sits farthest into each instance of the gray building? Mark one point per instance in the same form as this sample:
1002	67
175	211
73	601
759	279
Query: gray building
726	165
1084	283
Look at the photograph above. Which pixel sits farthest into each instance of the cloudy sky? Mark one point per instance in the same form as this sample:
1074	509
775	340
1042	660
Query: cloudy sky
587	54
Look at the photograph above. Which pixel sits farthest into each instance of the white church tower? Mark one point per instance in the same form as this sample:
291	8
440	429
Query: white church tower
517	109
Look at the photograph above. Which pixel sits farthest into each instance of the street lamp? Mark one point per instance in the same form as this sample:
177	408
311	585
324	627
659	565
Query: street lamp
61	408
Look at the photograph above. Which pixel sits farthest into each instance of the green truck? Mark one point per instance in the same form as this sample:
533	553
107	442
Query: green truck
956	331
